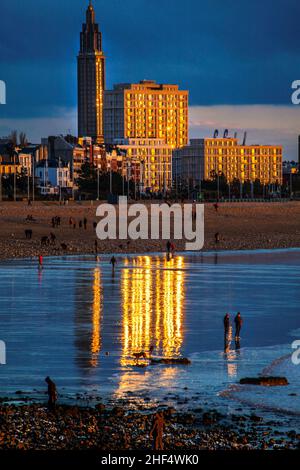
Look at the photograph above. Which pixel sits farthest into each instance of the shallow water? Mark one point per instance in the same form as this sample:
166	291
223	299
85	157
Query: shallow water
79	324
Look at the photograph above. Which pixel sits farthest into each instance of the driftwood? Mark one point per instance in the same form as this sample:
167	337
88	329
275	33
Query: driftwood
265	381
181	361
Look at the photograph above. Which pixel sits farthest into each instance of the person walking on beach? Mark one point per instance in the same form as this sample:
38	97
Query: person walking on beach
172	249
113	263
157	431
52	393
168	247
226	324
217	238
40	261
238	324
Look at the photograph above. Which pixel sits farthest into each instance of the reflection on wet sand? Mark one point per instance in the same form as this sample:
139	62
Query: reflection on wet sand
88	321
153	302
97	308
133	380
231	355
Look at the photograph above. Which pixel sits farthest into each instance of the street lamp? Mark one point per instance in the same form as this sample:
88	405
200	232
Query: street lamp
59	178
110	177
15	179
128	176
98	182
291	184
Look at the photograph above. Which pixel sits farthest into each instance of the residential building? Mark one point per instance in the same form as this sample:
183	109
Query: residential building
146	110
51	173
203	159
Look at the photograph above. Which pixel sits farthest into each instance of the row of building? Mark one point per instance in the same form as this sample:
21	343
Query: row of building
157	166
139	130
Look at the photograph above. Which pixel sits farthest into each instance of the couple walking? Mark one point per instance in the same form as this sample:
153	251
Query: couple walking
238	321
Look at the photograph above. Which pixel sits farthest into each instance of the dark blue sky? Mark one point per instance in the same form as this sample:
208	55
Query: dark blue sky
224	51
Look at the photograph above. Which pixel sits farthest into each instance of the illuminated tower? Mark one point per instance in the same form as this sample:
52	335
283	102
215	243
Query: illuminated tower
91	79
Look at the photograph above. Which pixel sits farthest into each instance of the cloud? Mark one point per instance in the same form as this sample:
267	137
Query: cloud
64	121
278	125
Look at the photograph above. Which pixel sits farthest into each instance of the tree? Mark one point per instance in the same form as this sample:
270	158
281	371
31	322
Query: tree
13	138
23	139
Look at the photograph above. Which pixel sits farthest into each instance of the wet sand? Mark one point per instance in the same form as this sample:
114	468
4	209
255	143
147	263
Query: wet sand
241	226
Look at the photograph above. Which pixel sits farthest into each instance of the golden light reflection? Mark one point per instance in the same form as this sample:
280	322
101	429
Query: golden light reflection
230	355
96	318
153	301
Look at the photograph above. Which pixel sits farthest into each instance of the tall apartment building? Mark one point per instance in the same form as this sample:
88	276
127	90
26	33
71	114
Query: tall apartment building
91	80
146	110
205	158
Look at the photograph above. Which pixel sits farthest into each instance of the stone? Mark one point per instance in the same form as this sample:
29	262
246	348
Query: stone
265	381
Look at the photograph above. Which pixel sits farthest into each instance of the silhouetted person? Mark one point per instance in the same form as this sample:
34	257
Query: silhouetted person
169	247
85	223
226	323
217	238
52	393
216	206
238	324
96	246
113	263
157	431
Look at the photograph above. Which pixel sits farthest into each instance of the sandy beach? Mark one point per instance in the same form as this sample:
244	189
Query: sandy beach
240	225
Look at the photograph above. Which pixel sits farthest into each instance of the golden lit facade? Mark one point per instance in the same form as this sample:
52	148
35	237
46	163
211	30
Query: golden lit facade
203	159
146	110
91	80
155	159
242	162
10	168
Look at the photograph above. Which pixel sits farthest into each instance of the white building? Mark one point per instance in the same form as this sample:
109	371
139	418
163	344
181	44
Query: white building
53	174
